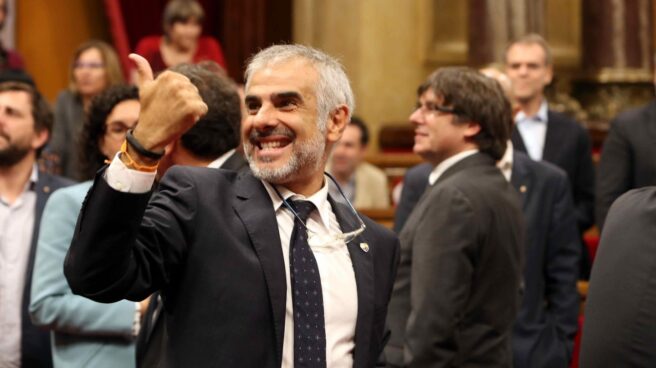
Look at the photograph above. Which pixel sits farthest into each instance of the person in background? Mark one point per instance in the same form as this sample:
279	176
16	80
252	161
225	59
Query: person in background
363	184
84	332
9	59
457	293
25	126
628	157
620	311
548	135
182	41
94	67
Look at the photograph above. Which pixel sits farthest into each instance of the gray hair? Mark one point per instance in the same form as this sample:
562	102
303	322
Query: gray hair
333	89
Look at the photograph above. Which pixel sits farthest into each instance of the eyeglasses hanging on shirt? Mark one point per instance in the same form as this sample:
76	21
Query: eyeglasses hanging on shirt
321	240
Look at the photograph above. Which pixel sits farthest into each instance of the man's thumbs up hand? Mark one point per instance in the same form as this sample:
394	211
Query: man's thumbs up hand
170	105
144	71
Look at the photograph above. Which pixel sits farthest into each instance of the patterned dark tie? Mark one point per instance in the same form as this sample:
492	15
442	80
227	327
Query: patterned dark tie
309	326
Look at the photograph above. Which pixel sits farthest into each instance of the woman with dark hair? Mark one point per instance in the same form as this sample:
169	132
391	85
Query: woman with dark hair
85	333
95	66
182	41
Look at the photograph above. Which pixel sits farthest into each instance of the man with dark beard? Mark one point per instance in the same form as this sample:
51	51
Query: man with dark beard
25	125
260	269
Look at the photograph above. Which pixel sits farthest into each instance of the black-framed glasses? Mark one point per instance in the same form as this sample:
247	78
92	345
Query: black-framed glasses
433	108
315	239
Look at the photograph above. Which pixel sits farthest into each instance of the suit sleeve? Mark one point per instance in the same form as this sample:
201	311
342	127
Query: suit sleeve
123	250
61	136
53	304
563	252
584	185
393	267
414	185
613	171
442	269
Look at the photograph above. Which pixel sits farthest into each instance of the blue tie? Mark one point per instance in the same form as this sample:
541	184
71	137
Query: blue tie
309	325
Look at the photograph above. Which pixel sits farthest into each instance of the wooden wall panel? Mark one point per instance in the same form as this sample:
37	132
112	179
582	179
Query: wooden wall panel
49	31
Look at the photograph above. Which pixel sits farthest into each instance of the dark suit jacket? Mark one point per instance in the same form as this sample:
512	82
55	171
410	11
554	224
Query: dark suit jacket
35	343
209	241
236	162
543	334
415	182
567	145
620	323
151	342
628	158
547	321
458	288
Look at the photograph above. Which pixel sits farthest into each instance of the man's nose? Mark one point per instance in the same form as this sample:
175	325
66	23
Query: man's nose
265	118
417	117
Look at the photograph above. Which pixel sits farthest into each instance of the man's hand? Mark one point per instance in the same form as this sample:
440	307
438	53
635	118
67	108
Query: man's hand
170	105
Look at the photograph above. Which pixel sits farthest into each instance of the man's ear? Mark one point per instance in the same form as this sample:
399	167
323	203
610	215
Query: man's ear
40	139
549	76
472	128
337	121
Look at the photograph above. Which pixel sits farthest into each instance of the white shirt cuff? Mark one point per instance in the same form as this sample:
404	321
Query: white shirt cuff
136	322
127	180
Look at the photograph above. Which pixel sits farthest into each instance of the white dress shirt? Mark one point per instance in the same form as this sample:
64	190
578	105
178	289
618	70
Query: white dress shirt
16	228
446	164
506	162
339	291
533	130
216	164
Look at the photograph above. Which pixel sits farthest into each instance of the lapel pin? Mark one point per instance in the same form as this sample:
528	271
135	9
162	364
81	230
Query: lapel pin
46	189
364	247
522	189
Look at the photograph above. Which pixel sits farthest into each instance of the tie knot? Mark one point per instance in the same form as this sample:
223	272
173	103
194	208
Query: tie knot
303	209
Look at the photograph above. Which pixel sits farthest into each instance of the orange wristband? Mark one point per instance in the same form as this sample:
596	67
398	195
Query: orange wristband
133	164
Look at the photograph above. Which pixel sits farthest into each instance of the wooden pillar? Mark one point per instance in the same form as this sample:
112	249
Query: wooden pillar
618	48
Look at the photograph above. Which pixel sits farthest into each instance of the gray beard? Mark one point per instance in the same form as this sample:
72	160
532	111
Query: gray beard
306	155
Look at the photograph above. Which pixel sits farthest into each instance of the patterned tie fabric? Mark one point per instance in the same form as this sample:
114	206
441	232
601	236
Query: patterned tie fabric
309	326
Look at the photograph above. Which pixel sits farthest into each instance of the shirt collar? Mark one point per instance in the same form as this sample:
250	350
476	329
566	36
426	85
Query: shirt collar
446	164
319	199
540	116
221	159
35	175
506	162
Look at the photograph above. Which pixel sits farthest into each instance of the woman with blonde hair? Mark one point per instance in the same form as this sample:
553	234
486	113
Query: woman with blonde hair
94	68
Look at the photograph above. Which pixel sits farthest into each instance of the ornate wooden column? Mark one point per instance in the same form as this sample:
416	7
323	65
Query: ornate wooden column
617	58
493	23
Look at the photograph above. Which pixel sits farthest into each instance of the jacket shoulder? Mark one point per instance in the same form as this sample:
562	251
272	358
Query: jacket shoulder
53	181
633	116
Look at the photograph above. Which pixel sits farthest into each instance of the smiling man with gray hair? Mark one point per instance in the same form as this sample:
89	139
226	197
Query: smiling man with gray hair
260	269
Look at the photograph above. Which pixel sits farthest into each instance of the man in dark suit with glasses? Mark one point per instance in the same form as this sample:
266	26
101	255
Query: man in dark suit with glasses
458	289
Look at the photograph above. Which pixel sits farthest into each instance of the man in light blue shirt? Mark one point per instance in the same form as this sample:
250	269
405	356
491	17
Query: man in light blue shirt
546	134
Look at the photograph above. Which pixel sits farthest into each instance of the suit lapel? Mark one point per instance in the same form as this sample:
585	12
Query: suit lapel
236	162
521	178
363	268
552	138
517	141
42	188
254	208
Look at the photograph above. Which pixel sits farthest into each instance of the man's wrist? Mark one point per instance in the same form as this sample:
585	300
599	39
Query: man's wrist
134	160
142	147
